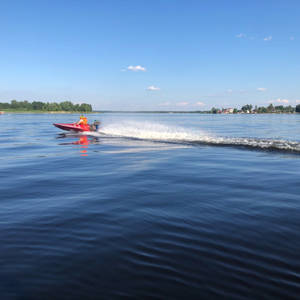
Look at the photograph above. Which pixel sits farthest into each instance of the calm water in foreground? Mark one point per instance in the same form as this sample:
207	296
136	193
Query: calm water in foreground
161	206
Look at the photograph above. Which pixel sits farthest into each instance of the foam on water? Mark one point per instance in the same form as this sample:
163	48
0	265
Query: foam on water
166	133
153	131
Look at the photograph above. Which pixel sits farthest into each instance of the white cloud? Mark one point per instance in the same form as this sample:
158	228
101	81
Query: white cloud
286	101
182	103
136	68
200	104
297	101
282	100
241	35
165	104
261	89
229	91
152	88
268	38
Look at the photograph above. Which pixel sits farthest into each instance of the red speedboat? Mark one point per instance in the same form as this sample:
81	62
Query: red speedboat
73	127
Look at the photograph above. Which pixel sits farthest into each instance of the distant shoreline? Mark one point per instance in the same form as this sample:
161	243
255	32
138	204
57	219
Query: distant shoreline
12	111
193	112
136	112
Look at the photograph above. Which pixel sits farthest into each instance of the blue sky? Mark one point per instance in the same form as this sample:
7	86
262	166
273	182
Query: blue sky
151	55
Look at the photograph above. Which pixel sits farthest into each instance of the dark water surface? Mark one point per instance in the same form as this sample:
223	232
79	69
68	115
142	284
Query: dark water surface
155	206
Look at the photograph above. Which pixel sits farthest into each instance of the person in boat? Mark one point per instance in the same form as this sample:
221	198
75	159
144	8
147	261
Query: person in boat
95	126
83	123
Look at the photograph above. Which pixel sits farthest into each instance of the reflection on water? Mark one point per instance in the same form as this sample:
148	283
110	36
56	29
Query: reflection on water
82	140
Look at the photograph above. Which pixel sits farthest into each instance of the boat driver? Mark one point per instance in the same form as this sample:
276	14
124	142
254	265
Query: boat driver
82	121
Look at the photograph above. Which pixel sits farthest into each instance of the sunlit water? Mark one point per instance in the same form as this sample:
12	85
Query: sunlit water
162	206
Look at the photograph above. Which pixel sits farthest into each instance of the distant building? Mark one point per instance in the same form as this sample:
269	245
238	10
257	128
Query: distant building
227	111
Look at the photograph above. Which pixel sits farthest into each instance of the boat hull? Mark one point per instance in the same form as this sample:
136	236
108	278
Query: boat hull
72	127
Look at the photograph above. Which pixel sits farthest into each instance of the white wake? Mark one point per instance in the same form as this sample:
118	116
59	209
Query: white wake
168	133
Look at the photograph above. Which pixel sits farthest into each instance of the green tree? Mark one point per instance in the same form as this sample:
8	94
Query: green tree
4	105
48	106
270	108
85	107
14	104
77	107
289	109
262	110
66	106
37	105
298	108
279	108
53	106
214	110
247	107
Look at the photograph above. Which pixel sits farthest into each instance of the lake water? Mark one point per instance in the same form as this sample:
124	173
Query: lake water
160	206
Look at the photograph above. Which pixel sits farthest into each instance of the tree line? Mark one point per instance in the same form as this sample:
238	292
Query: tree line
46	106
248	108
